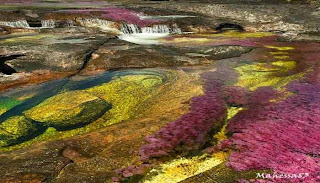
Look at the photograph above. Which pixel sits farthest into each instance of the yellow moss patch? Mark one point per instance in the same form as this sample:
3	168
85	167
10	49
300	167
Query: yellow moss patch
14	128
286	65
37	38
278	53
135	96
213	38
280	48
125	94
16	125
281	57
241	35
221	135
2	111
180	169
68	108
193	40
232	111
257	75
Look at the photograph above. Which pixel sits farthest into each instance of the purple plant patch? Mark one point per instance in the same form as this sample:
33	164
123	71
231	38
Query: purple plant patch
191	131
283	136
117	14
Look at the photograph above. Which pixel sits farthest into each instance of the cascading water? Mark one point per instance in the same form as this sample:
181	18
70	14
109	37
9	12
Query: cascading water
155	29
15	24
161	29
48	23
147	35
130	29
70	23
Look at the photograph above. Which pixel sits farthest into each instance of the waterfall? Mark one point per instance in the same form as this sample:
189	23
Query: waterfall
147	35
155	29
70	23
48	23
16	24
130	29
161	29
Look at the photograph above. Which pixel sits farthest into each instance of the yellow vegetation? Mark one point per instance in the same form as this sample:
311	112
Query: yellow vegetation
280	48
182	168
253	76
154	95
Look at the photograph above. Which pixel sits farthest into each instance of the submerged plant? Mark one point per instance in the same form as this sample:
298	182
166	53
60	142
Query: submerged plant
279	136
191	131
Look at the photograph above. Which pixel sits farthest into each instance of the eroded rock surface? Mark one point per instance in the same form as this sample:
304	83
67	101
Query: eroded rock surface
68	109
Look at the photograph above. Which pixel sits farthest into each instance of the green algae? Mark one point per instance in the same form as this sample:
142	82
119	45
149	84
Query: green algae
126	94
32	38
67	109
241	35
183	168
14	128
280	48
253	76
7	103
275	74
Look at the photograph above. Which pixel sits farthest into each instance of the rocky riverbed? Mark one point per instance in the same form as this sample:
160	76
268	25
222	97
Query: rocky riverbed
159	91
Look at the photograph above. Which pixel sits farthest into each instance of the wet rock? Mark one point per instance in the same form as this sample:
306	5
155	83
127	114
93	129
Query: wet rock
254	16
73	155
113	55
3	31
34	178
48	52
68	109
14	129
40	164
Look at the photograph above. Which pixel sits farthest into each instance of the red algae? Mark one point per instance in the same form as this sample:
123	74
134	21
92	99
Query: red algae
117	14
279	136
191	131
188	133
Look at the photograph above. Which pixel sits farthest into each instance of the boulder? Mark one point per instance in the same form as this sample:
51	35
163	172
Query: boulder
14	129
68	109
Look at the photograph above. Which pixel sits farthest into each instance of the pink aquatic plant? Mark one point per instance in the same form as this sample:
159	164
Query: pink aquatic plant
117	14
191	131
126	15
283	136
236	95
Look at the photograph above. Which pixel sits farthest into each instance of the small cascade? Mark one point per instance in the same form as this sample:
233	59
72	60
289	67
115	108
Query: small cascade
70	23
48	23
130	29
161	29
147	35
15	24
155	29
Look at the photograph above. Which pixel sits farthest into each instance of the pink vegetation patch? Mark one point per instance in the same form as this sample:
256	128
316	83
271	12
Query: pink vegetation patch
118	14
191	131
283	136
129	16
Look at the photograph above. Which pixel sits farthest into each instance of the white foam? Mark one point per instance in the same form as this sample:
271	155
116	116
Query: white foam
144	38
